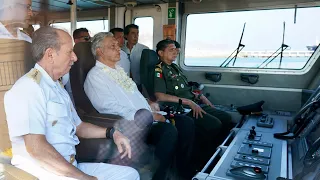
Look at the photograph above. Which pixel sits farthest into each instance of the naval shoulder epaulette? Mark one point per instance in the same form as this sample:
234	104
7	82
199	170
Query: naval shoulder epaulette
159	67
35	75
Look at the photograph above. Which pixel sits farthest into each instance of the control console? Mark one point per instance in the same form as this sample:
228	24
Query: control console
254	153
265	121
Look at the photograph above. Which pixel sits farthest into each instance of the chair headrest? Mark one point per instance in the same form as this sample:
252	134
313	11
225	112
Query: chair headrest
78	74
149	59
85	57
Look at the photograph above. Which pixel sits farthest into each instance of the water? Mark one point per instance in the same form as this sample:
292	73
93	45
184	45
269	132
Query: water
287	62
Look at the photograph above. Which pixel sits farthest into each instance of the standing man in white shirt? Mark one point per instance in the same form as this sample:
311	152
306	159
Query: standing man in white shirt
14	14
43	124
134	51
124	59
110	90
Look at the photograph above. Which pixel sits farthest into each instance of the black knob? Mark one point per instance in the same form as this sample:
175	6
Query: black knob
255	151
250	145
253	132
243	157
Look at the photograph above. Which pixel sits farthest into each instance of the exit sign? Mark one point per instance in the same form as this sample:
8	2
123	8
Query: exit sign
171	13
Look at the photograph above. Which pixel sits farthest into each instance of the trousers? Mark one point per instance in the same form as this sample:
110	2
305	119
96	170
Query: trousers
210	131
102	171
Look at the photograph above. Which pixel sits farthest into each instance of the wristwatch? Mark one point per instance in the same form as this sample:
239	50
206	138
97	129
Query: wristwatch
110	132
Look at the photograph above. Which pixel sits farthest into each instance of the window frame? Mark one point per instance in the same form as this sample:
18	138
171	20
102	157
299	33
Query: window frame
181	59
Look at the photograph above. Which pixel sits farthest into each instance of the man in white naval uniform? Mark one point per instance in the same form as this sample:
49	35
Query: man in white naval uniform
14	14
43	124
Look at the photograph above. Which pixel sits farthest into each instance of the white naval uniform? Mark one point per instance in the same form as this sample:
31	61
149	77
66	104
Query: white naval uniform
38	105
5	34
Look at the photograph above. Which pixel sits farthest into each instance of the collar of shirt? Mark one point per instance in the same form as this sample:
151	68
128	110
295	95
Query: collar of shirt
101	65
4	33
126	49
46	76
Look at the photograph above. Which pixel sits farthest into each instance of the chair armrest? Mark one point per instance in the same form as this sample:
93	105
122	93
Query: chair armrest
95	150
10	172
103	120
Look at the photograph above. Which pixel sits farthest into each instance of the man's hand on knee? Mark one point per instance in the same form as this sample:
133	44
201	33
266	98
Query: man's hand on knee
196	109
122	142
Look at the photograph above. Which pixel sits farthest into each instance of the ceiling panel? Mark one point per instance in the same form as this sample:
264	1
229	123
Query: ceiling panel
61	5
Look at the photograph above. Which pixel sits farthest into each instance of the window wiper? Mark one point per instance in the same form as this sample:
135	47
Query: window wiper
281	49
239	48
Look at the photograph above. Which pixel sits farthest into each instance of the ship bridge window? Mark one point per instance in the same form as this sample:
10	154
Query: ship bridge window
94	26
213	37
145	30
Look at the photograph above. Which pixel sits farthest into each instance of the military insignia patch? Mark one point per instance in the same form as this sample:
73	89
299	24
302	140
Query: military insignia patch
158	70
182	86
35	75
158	75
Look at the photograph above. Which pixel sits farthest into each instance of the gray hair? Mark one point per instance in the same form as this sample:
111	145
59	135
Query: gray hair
42	39
97	40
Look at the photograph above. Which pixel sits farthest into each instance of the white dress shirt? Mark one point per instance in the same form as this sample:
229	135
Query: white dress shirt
112	91
134	57
5	34
44	108
124	62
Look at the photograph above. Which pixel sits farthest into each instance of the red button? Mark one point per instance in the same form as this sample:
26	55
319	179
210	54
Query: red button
257	169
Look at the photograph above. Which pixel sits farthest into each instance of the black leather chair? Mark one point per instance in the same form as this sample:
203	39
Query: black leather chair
149	59
89	150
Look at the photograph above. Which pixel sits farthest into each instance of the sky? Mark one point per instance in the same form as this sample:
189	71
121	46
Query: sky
264	28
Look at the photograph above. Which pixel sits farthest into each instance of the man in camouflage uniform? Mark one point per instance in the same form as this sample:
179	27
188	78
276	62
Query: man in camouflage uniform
170	85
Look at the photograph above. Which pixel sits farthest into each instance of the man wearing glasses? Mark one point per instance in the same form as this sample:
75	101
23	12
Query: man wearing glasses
81	35
14	14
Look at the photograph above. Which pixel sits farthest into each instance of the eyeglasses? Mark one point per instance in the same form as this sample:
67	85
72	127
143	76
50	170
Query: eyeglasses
86	38
27	6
